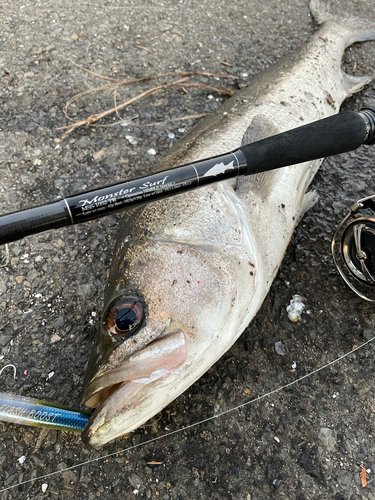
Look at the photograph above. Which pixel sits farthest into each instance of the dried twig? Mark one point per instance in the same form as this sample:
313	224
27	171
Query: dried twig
144	48
116	84
94	118
92	72
182	83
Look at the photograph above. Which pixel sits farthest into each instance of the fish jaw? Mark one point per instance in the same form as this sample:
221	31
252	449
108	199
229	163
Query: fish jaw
166	353
115	390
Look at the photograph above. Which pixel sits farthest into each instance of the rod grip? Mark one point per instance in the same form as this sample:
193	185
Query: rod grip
330	136
17	225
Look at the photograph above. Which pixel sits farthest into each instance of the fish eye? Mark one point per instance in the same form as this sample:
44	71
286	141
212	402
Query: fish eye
124	317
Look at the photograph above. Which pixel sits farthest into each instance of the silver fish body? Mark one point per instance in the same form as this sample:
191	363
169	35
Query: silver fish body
190	272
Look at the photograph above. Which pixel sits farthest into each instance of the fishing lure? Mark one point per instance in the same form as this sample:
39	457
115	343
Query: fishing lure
38	413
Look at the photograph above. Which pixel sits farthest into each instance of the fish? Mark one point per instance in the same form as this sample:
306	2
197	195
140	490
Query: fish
190	272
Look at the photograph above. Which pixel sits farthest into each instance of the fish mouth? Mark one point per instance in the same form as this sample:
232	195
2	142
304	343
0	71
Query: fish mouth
116	390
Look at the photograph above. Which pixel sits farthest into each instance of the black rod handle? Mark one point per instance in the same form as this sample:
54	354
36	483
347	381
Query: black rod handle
327	137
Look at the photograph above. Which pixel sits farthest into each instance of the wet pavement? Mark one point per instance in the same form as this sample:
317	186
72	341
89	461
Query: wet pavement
308	441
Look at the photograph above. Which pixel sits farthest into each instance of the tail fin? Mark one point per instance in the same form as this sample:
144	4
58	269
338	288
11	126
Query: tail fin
320	11
361	29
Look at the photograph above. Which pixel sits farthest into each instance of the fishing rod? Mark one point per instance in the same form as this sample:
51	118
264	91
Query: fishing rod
330	136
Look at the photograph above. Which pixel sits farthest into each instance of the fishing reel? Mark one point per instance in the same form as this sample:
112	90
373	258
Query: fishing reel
353	249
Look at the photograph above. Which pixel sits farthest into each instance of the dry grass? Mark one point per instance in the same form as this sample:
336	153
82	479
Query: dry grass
181	83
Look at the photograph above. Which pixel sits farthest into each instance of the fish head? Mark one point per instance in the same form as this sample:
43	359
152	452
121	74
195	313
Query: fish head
171	310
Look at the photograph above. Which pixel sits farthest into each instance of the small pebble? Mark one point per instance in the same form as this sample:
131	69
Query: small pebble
151	152
99	155
44	487
280	348
295	308
131	139
368	334
22	459
328	438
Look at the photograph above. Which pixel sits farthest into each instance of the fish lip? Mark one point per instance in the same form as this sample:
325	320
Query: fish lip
87	432
157	363
96	384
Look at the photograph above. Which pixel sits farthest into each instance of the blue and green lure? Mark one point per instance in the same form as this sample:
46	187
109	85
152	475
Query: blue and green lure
37	413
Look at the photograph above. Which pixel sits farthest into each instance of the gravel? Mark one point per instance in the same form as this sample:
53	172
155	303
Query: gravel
55	281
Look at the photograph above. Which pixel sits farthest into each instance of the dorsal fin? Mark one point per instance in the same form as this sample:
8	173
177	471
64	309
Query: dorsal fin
260	128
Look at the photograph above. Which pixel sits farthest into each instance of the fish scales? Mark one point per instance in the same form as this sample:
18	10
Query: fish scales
202	262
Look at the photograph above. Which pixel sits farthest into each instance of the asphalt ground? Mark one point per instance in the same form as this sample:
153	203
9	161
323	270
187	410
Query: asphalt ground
51	288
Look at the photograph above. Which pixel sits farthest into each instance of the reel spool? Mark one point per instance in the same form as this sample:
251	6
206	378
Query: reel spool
354	256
